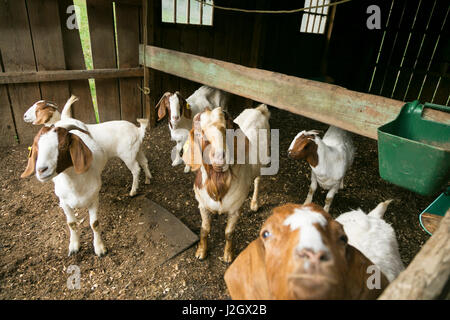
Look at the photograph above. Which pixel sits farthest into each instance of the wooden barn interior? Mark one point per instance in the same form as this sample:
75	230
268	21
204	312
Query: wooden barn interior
329	64
406	59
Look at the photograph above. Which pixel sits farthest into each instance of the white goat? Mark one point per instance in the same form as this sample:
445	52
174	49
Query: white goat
222	185
375	238
67	154
329	159
117	138
181	112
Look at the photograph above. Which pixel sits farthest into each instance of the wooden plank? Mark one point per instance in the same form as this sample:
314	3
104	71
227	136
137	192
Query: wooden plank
7	127
48	46
427	276
73	54
128	46
17	55
354	111
101	28
61	75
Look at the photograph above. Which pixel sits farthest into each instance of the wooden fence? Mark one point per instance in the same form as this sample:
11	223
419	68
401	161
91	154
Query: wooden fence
41	58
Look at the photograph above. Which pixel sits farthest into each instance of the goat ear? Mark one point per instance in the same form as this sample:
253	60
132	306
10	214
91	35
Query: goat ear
81	155
162	105
192	154
43	115
29	170
359	274
246	277
187	110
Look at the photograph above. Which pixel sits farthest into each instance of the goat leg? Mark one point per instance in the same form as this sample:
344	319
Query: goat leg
231	224
312	188
99	247
330	196
204	232
254	206
74	244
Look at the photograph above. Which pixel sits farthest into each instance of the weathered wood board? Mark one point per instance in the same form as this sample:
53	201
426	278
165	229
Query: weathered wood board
357	112
159	233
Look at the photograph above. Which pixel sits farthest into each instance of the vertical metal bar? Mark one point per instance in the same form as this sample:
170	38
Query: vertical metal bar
381	47
420	50
432	55
393	48
315	16
406	49
188	11
308	15
201	12
174	11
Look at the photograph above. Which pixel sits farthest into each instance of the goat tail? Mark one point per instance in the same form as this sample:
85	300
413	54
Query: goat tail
381	208
264	110
67	110
143	127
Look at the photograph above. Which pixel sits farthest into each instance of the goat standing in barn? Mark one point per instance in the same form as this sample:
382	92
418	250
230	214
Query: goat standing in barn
67	154
118	138
181	112
221	184
329	159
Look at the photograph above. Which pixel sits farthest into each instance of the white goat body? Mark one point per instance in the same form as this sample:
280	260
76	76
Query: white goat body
374	237
119	138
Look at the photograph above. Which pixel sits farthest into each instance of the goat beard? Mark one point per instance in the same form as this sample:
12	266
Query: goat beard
217	182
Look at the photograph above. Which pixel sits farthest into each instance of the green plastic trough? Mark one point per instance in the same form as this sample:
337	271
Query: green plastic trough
414	153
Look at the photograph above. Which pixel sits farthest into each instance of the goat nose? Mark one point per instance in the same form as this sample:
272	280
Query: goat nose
175	117
42	170
314	257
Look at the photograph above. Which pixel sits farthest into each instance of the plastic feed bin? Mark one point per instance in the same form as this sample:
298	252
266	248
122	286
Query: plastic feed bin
414	153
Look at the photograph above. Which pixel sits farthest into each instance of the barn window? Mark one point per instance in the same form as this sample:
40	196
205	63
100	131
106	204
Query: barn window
314	20
199	12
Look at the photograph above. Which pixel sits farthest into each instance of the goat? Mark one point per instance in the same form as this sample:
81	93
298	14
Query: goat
301	253
120	138
221	184
370	234
67	154
329	159
181	112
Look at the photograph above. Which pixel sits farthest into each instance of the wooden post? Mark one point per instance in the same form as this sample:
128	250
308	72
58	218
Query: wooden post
427	277
357	112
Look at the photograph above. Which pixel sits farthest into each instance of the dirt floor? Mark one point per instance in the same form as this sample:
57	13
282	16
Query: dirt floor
34	236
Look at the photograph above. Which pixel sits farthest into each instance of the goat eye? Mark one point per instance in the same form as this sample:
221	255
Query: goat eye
266	234
343	238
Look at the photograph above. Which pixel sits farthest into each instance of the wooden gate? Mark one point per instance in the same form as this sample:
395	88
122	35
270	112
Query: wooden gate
42	58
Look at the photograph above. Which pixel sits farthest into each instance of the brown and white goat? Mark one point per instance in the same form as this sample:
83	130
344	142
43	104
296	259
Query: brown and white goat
302	253
222	183
67	154
181	111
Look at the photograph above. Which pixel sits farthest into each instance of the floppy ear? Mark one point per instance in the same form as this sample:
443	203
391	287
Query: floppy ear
246	277
80	154
163	104
192	154
359	273
29	170
43	115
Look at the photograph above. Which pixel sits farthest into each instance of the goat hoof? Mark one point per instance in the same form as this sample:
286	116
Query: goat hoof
177	162
147	180
254	206
133	193
200	254
100	250
227	257
187	169
74	248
